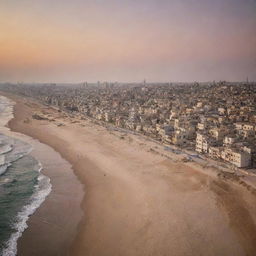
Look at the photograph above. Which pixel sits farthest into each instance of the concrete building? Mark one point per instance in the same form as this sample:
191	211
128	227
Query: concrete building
236	157
202	143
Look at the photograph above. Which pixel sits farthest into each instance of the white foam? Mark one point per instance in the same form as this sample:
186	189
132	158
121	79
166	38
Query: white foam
5	149
3	168
42	191
6	111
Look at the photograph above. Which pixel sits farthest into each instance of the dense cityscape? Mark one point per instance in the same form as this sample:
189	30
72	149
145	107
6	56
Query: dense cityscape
214	119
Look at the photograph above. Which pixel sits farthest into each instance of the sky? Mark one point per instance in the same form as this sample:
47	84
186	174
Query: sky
127	40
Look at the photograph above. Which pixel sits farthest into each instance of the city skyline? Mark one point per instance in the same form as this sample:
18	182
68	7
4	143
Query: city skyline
160	41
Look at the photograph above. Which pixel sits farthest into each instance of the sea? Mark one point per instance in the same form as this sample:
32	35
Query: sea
23	187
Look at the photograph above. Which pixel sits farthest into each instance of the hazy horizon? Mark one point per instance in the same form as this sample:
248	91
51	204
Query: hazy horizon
125	82
160	41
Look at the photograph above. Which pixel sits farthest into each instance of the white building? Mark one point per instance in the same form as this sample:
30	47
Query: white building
237	158
202	143
229	140
201	126
214	152
248	127
218	133
179	137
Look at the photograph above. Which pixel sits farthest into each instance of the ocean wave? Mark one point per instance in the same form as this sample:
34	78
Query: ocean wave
5	149
13	150
3	169
42	190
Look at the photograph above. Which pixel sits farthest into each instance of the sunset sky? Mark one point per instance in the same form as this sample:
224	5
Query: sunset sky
127	40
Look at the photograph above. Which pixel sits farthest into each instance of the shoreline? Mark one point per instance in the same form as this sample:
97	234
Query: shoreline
167	194
43	226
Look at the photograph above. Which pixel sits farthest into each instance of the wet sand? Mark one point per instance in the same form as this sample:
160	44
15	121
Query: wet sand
138	202
53	227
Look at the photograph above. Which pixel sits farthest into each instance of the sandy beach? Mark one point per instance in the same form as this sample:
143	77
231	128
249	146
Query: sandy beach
137	202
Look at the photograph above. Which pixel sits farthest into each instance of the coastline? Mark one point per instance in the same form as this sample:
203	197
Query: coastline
48	224
137	202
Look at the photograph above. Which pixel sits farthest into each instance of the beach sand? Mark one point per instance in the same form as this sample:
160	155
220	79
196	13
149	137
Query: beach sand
137	202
